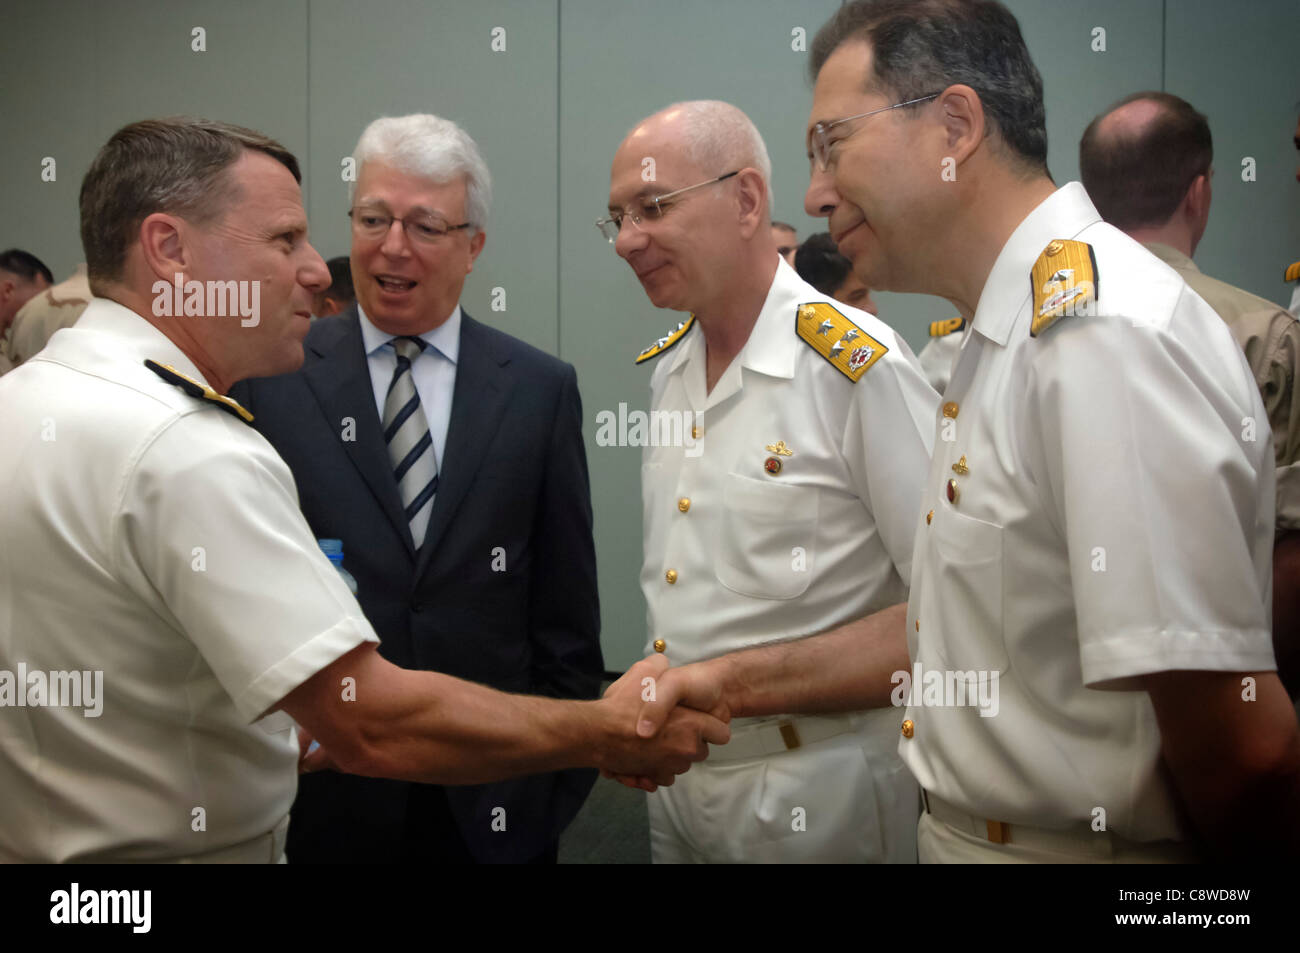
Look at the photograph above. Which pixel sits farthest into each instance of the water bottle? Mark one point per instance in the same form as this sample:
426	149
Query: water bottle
333	550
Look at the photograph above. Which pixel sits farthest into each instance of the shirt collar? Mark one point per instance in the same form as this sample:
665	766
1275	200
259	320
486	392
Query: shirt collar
1063	214
133	333
445	338
771	346
1171	256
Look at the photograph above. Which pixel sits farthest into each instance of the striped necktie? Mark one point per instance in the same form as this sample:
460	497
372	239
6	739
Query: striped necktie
410	448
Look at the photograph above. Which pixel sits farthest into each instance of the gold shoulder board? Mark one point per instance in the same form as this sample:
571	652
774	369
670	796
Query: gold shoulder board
667	341
940	329
1293	271
201	391
1064	281
849	348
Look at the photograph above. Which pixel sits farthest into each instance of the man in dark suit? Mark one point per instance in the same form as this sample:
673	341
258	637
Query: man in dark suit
448	458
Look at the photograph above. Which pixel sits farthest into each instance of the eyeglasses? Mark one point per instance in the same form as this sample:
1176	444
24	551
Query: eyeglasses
372	222
652	209
821	139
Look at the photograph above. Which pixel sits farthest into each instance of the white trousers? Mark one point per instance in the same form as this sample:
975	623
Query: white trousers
942	842
845	799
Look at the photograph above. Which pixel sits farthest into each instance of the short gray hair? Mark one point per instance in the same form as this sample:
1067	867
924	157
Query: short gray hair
432	147
719	138
179	165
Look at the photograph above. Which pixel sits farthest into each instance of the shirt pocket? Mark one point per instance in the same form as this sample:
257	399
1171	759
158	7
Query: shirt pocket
767	546
965	592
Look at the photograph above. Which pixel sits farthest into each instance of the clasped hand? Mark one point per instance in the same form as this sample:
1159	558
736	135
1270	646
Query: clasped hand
668	706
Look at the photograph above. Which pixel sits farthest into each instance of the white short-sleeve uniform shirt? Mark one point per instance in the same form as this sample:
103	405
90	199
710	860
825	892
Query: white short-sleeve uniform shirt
1114	519
756	555
155	538
792	512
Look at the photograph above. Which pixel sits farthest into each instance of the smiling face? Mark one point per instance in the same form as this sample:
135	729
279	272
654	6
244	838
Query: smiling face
680	259
403	286
882	191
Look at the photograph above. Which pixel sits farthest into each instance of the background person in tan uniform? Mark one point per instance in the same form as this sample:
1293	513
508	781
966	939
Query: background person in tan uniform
22	277
1146	163
57	307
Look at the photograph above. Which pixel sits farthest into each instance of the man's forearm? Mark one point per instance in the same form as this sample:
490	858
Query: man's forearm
846	669
424	726
1235	762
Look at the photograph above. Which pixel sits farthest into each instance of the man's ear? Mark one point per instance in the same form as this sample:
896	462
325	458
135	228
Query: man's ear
752	194
475	247
163	246
964	126
1198	200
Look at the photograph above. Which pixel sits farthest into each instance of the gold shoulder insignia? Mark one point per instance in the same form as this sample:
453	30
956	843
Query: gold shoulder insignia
849	348
1064	282
1293	271
667	341
201	391
940	329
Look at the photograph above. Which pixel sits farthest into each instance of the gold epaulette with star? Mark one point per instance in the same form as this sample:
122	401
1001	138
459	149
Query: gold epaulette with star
850	349
941	329
667	341
201	391
1064	282
1293	271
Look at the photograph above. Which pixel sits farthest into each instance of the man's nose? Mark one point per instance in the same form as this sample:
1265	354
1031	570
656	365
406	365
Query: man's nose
315	275
630	238
821	198
396	242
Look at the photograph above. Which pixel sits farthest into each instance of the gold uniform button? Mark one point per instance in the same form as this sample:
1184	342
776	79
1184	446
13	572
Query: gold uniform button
1055	247
697	433
950	409
928	517
918	625
909	729
684	503
660	645
671	576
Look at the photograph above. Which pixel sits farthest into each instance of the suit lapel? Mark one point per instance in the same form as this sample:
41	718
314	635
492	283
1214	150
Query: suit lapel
478	402
340	379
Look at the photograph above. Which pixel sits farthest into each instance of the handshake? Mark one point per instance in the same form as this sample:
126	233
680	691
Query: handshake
663	717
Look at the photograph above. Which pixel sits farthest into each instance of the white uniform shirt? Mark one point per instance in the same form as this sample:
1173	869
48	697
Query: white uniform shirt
1116	521
155	538
938	357
829	538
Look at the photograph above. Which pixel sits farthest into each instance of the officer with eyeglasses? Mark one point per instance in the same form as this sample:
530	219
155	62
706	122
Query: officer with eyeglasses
786	509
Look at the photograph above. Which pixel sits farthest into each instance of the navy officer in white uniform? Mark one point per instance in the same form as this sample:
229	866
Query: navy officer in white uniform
787	506
161	596
1097	527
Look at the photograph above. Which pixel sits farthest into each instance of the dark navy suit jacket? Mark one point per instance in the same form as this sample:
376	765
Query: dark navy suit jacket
513	485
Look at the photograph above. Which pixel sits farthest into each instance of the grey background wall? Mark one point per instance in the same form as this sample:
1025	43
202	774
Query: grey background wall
548	112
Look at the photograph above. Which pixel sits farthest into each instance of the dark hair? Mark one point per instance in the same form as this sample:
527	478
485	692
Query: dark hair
1137	177
25	265
340	287
176	165
919	47
820	264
